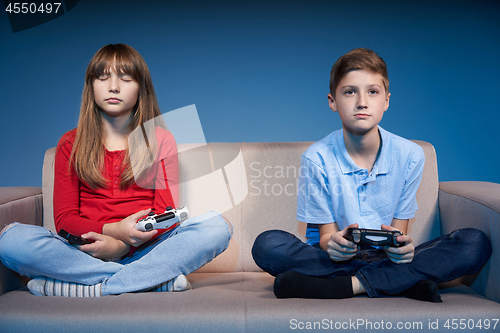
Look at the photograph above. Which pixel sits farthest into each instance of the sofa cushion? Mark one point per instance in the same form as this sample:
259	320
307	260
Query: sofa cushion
237	302
271	171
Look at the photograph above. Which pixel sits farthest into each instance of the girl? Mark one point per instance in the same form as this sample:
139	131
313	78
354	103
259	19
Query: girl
98	169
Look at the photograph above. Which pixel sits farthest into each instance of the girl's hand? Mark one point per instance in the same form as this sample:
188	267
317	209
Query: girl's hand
339	248
400	255
125	230
103	247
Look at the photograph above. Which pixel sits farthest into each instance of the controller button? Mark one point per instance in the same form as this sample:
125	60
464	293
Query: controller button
148	226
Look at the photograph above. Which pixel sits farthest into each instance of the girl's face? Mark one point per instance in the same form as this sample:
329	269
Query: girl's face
116	93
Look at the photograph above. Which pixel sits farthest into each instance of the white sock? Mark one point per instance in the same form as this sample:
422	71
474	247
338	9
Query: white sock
179	283
42	286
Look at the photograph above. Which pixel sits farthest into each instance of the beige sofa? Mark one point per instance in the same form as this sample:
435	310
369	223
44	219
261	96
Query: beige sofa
231	294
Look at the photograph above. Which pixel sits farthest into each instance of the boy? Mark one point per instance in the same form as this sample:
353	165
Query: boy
363	176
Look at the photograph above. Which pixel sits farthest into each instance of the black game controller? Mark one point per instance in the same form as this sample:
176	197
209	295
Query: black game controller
373	237
72	239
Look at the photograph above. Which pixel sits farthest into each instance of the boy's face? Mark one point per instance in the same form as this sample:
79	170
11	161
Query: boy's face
361	100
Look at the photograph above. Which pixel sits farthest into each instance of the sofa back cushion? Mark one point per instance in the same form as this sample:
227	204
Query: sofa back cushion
254	185
270	171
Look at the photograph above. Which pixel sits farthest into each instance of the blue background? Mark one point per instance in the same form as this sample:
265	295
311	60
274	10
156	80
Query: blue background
259	71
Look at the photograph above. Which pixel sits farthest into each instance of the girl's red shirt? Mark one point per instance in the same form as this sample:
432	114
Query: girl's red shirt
79	209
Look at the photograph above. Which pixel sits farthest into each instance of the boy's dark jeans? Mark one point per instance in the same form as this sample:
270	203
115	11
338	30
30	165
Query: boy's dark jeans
464	251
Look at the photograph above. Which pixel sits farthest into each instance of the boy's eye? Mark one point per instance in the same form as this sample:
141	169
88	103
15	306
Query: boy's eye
373	92
349	92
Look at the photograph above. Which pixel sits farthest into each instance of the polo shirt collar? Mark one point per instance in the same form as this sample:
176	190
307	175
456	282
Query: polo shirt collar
347	165
384	161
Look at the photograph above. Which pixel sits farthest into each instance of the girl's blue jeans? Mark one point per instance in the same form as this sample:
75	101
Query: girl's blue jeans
443	259
35	251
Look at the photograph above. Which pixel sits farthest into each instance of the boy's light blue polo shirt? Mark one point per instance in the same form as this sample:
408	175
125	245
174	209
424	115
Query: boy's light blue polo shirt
332	188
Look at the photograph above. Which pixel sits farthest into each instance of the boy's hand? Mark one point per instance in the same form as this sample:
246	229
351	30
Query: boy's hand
125	230
400	255
340	249
103	247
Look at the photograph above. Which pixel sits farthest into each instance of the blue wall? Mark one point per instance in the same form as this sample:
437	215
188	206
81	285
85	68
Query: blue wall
260	72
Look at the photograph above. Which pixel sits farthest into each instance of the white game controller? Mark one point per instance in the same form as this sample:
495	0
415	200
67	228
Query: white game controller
162	221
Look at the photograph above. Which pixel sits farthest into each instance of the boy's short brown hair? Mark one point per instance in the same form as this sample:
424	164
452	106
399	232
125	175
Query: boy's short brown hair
357	59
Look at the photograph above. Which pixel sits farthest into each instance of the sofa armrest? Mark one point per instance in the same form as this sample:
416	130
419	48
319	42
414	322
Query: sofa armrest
21	204
18	204
475	205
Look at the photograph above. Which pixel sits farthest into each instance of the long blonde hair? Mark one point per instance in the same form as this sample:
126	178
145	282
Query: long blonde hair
88	151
